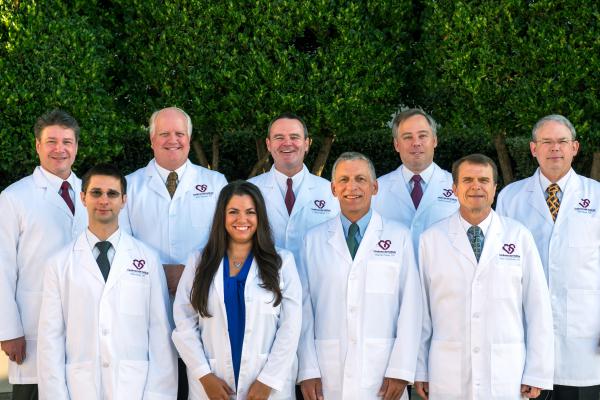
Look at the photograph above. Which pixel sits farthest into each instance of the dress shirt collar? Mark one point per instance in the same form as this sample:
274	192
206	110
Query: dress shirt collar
281	180
362	223
164	173
426	176
562	183
113	239
484	225
55	181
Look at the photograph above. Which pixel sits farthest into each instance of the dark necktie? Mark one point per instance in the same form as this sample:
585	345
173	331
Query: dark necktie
64	193
552	200
290	199
172	183
102	259
475	235
417	193
351	239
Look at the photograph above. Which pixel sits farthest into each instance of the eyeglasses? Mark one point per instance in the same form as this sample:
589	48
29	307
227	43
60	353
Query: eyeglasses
97	193
551	143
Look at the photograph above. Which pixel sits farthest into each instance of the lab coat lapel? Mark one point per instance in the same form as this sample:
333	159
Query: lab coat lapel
50	195
459	240
304	194
271	191
155	182
82	256
491	243
433	189
187	182
400	191
571	196
219	288
337	240
537	199
370	238
122	260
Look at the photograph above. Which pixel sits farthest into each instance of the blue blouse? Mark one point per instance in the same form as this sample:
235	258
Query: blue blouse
235	307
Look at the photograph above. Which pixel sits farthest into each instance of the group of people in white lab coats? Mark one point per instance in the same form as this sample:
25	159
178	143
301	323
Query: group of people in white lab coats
352	289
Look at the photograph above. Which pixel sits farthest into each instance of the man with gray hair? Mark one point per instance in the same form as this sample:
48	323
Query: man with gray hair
171	202
361	316
419	192
562	211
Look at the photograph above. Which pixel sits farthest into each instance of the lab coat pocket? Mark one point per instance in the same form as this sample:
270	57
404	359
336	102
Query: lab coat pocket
382	277
134	298
507	363
583	231
375	361
507	280
132	379
328	355
583	320
81	380
445	368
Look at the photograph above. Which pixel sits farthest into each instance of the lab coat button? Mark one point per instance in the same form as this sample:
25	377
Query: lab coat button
476	350
104	332
476	315
105	365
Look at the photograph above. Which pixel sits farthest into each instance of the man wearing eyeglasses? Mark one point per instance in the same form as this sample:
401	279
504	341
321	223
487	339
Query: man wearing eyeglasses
104	329
562	210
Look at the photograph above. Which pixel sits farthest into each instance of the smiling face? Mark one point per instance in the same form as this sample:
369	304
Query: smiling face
415	143
354	186
170	141
104	200
475	189
287	145
554	149
240	219
57	148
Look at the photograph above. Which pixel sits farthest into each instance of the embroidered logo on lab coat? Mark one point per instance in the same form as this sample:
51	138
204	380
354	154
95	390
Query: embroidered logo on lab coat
202	191
320	207
584	207
382	248
446	196
506	255
139	265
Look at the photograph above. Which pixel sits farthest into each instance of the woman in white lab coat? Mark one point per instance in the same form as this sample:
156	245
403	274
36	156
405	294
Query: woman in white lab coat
238	306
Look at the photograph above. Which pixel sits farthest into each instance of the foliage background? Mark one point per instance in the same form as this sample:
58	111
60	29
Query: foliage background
484	70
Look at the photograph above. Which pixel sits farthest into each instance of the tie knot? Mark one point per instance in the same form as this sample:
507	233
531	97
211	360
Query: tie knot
172	177
65	186
289	183
474	231
553	189
353	229
103	246
416	178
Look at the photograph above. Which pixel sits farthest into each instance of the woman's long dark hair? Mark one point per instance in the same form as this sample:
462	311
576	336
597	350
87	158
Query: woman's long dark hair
263	248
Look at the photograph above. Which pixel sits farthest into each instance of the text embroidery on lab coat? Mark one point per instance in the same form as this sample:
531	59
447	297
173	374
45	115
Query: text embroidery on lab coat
584	207
447	196
320	207
382	249
202	191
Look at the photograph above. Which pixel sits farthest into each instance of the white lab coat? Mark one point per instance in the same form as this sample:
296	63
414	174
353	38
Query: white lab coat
270	338
393	201
35	224
570	252
487	327
175	227
314	204
106	340
361	318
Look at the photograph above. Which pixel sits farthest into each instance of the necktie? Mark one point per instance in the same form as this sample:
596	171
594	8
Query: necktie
476	239
351	239
102	259
172	183
64	193
552	200
417	193
290	199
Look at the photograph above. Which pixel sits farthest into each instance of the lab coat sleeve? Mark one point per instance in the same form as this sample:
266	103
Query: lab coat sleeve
11	326
188	325
539	361
422	374
308	364
162	366
403	359
51	357
279	362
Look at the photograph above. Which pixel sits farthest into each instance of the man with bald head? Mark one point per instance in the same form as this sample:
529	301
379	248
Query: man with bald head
170	202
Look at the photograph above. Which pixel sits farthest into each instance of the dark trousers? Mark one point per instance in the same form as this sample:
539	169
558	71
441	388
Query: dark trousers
571	393
25	392
182	383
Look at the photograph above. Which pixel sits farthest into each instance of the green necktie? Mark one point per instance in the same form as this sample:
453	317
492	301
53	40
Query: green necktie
475	235
351	239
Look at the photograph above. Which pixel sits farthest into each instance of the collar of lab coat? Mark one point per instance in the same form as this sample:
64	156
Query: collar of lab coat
303	196
370	238
537	199
218	282
121	262
432	190
186	182
458	238
53	197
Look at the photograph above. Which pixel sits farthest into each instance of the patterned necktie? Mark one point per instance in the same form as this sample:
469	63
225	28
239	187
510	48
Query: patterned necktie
351	239
417	192
475	235
64	193
102	259
290	199
552	200
172	183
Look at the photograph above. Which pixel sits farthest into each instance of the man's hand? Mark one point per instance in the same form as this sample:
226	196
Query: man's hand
14	349
173	273
312	389
392	389
422	389
216	388
531	392
258	391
